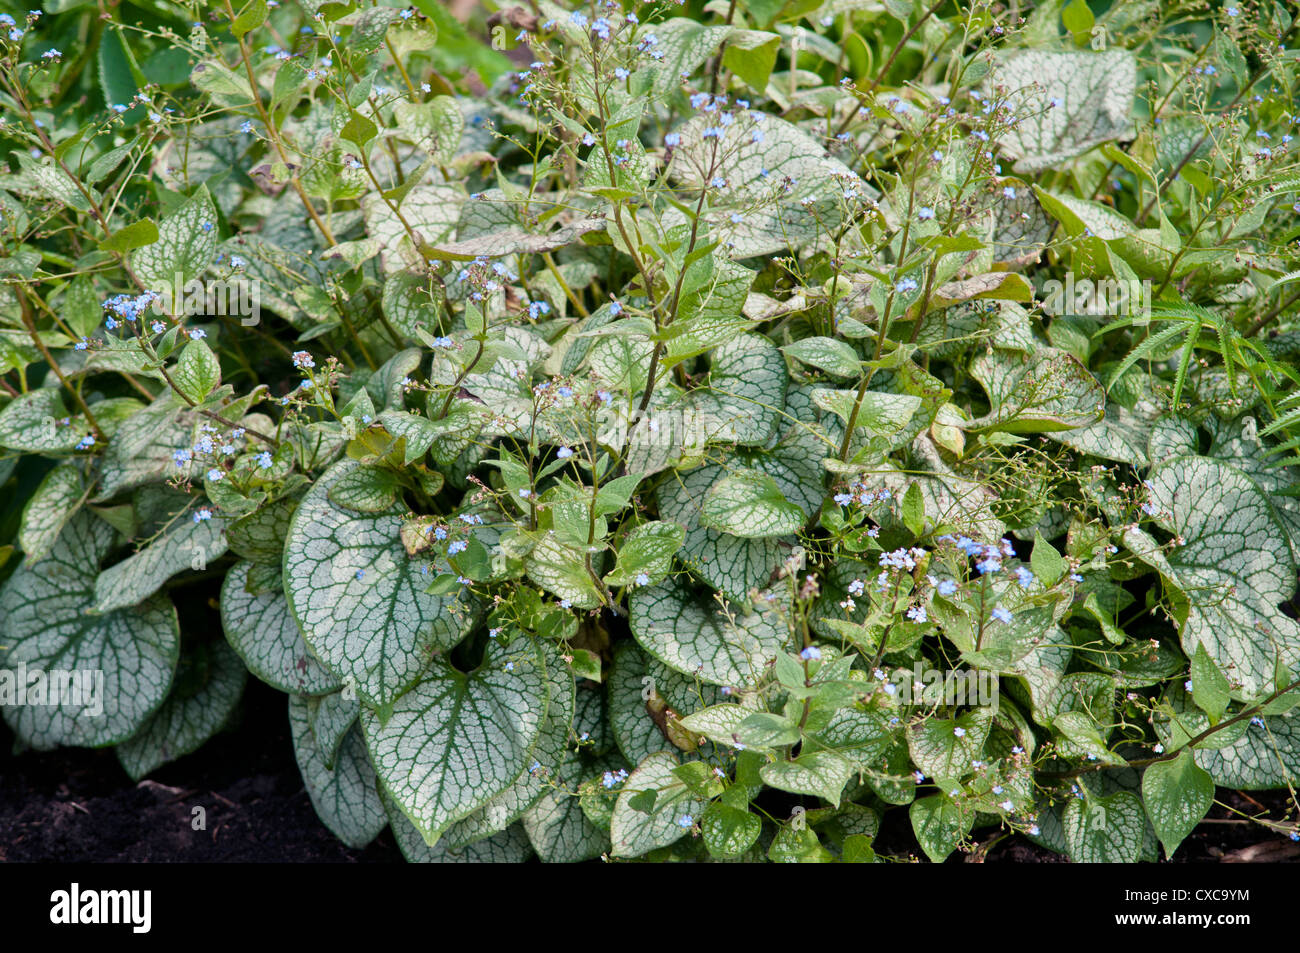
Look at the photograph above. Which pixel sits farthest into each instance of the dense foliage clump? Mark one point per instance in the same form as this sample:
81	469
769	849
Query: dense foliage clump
658	431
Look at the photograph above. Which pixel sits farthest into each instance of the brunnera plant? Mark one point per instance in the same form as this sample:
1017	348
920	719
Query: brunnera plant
664	432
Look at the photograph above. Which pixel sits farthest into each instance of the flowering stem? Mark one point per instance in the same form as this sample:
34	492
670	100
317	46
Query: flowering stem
30	323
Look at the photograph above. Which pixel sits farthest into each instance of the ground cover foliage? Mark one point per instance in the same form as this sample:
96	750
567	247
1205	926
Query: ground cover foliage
658	431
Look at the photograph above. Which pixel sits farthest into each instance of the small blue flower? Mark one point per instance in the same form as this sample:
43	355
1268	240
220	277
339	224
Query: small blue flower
686	821
264	460
811	653
458	546
564	453
1001	614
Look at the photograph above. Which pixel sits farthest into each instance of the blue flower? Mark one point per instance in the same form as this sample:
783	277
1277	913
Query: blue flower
926	213
458	546
642	579
686	821
947	587
1001	614
264	460
1024	577
564	453
810	654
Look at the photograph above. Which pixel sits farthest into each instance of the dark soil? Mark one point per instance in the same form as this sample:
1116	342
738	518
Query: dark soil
78	805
